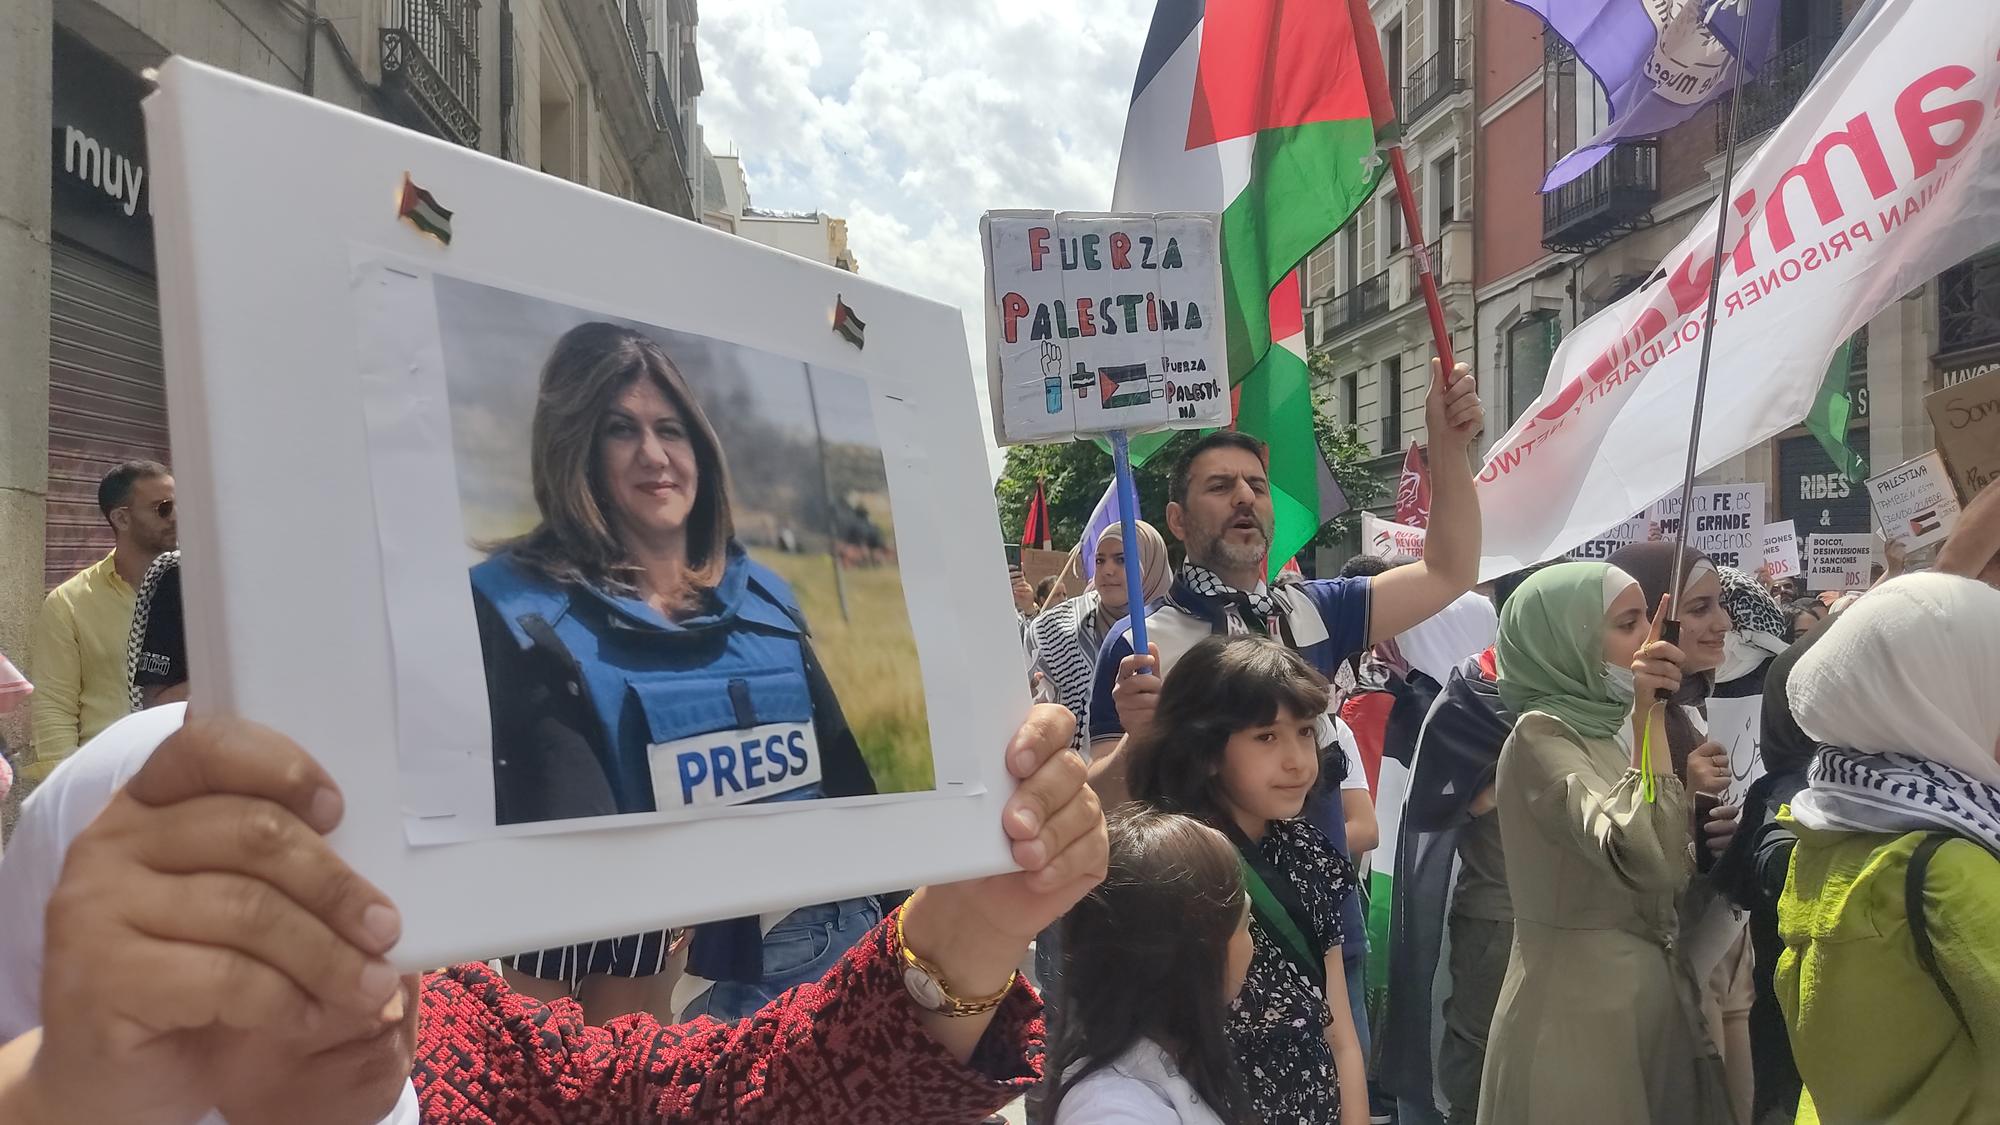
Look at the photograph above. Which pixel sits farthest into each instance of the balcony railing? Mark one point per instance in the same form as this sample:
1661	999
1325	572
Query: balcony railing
1614	197
1364	302
635	34
430	65
1969	305
1434	80
1772	91
664	112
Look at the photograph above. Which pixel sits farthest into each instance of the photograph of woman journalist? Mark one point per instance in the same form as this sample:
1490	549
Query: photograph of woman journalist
638	660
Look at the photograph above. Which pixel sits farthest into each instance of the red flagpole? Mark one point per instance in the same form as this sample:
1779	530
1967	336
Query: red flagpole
1375	77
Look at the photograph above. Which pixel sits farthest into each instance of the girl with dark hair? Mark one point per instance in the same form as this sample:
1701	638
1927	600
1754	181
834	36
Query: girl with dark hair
1156	954
1235	745
638	660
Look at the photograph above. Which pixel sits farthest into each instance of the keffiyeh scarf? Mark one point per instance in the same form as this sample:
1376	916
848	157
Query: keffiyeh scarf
1848	791
1203	581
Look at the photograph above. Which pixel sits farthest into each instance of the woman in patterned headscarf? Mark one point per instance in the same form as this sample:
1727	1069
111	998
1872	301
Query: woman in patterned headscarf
1064	639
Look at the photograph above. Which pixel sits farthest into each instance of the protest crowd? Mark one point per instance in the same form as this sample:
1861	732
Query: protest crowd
1628	835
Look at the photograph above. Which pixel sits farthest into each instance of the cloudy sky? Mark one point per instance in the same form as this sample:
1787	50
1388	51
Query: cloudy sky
911	117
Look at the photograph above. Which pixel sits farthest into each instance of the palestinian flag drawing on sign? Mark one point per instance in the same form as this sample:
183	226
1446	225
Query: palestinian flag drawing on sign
1264	111
1128	384
422	210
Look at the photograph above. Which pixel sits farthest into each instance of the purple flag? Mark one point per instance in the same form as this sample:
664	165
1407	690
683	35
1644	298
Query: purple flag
1659	61
1101	517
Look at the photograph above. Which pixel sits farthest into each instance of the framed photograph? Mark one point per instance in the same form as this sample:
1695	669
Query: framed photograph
577	540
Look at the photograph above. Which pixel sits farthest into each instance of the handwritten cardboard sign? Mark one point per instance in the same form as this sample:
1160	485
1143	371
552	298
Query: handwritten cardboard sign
1915	501
1037	564
1728	526
1967	420
1781	549
1838	561
1100	322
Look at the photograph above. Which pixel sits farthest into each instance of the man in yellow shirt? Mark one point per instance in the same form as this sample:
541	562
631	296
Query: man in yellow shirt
76	653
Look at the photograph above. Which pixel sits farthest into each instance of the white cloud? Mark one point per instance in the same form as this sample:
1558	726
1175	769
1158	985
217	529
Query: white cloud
911	117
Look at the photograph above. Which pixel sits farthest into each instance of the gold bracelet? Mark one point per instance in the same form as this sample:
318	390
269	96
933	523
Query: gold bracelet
927	987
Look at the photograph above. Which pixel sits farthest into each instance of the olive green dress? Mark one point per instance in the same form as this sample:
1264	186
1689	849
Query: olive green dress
1599	1020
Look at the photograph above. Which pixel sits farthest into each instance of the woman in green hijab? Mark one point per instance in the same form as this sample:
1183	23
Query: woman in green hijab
1598	1019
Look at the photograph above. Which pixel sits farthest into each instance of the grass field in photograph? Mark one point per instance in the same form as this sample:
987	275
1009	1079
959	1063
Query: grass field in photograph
871	659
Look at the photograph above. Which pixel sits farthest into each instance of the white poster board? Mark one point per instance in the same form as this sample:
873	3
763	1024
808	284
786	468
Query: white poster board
1386	539
1728	526
355	449
1915	502
1098	322
1781	550
1838	561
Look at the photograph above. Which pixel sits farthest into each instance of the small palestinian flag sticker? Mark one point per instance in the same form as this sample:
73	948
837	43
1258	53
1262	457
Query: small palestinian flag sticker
846	323
423	212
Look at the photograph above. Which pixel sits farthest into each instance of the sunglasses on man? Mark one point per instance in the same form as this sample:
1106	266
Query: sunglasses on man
163	509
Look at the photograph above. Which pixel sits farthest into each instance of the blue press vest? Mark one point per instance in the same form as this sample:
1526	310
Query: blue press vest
652	682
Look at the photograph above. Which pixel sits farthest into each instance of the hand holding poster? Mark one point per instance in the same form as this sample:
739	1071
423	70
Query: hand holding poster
1781	550
1915	502
490	399
1101	322
1838	562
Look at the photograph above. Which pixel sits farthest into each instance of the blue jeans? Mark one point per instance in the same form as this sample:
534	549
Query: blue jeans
798	950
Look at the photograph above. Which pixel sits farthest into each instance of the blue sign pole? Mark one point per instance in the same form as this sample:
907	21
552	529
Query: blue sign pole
1128	516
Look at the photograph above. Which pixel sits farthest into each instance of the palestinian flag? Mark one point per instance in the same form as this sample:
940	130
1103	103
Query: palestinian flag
1265	111
1035	529
422	210
850	327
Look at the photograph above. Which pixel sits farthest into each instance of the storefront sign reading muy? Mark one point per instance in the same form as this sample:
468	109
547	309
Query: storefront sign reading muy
1101	322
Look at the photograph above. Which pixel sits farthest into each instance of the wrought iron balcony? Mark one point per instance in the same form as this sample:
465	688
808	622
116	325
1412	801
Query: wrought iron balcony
1614	197
1772	91
1434	80
430	66
1364	302
635	34
1969	305
664	113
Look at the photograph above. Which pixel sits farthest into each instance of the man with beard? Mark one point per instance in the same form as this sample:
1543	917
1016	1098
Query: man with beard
1220	507
76	652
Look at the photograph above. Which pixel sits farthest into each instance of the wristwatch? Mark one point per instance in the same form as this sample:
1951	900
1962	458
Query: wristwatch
926	984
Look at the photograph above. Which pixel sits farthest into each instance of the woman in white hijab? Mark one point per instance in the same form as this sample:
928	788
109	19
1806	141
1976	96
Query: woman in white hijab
1891	916
1063	641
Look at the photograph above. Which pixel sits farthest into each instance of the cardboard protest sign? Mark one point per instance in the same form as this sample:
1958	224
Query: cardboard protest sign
1915	502
1726	523
1098	322
859	501
1967	420
1728	526
1838	561
1383	539
1037	564
1781	549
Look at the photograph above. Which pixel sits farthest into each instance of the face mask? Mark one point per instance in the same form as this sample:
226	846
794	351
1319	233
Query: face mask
1620	680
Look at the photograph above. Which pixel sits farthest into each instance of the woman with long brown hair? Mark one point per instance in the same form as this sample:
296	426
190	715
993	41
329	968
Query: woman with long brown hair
639	661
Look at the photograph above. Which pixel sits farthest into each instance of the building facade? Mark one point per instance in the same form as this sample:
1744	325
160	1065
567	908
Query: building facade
601	92
725	205
1545	263
1364	310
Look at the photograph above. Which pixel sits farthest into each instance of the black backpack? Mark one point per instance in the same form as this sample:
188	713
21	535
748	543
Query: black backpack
1913	905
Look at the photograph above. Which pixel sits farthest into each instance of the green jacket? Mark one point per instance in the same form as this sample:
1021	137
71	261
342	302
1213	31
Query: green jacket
1875	1039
